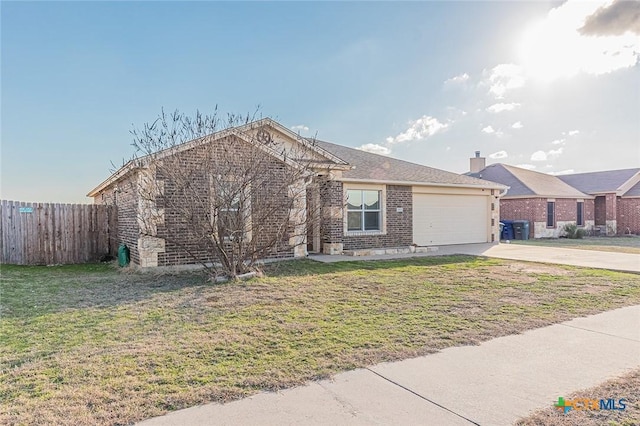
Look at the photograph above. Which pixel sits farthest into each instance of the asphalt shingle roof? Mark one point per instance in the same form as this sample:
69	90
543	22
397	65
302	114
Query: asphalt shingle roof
387	169
634	191
523	182
595	182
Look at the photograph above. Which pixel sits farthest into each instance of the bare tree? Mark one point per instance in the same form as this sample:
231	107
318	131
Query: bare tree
224	193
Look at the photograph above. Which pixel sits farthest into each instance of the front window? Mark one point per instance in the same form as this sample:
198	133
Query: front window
551	214
580	214
231	208
363	210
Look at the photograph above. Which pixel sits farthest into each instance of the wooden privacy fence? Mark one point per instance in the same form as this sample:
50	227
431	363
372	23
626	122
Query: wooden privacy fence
47	233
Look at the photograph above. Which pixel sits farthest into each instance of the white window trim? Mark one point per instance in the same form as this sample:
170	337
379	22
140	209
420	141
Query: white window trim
383	208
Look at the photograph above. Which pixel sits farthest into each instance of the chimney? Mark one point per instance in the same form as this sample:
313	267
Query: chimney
477	163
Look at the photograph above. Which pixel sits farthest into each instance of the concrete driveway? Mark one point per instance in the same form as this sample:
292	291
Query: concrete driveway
564	256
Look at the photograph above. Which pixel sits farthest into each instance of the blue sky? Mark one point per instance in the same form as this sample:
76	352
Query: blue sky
528	84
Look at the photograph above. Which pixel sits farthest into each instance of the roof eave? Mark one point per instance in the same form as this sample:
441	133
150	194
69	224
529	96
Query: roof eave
417	183
115	177
519	197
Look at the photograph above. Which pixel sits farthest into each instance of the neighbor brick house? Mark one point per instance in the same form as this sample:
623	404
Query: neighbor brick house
616	198
547	202
367	201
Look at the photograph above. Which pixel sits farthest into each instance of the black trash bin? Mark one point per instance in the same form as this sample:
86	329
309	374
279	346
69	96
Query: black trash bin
507	230
521	229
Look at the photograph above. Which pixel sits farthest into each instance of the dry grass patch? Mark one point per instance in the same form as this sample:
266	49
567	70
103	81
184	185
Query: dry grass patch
627	386
91	345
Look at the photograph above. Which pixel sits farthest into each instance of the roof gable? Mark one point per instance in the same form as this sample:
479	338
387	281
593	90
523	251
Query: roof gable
527	183
617	181
634	191
284	144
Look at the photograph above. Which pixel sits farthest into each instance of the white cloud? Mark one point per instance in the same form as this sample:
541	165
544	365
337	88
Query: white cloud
375	149
558	141
539	156
554	153
559	46
421	128
562	172
300	128
517	125
458	79
549	155
499	154
505	77
526	166
491	131
573	132
500	107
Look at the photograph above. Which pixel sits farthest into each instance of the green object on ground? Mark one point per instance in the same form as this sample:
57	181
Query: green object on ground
123	255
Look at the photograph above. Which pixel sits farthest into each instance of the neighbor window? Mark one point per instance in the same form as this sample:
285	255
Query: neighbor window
580	214
551	214
363	210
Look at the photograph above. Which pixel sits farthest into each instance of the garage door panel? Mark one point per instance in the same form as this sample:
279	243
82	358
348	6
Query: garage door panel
449	219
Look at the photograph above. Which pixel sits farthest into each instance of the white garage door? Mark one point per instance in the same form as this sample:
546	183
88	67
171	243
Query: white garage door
449	219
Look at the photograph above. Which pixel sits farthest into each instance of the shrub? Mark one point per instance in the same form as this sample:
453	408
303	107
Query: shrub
573	232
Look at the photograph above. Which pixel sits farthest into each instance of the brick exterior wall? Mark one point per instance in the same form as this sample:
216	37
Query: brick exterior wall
535	211
185	245
331	219
628	210
399	224
126	198
182	244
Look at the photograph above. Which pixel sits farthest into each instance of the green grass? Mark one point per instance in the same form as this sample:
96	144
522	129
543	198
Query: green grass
92	344
626	244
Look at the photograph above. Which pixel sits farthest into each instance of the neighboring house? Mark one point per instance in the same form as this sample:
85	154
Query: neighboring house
367	201
547	202
617	198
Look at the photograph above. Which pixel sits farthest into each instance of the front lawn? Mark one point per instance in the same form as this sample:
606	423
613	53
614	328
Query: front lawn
627	244
91	344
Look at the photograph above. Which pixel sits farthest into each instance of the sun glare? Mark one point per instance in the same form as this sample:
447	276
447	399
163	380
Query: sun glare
554	47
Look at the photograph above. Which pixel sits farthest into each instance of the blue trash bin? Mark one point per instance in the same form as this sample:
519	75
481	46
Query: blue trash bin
507	230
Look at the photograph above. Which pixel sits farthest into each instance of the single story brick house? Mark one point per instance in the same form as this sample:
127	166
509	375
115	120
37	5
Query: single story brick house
616	198
547	202
368	201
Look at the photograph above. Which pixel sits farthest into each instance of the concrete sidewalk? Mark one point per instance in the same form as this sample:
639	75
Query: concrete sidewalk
564	256
494	383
